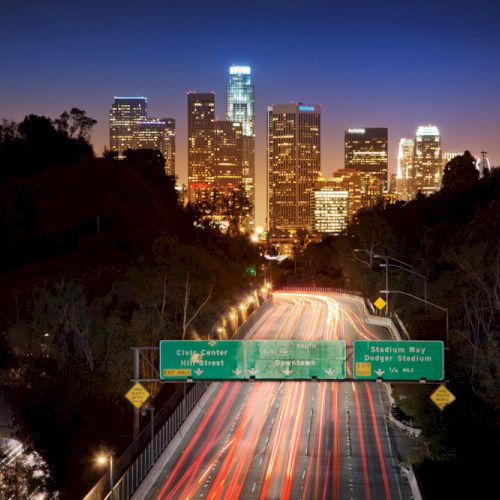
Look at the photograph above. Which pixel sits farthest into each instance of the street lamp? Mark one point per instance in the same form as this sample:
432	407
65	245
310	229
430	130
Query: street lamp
400	265
411	272
107	456
441	308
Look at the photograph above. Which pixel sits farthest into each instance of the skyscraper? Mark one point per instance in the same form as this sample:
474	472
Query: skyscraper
240	107
293	164
405	176
201	132
228	153
366	150
428	162
125	113
330	207
169	145
160	135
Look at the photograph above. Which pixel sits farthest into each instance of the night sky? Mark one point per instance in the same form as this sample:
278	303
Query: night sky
368	63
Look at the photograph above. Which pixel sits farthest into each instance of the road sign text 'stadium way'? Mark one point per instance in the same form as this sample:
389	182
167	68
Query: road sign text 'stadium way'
398	360
259	359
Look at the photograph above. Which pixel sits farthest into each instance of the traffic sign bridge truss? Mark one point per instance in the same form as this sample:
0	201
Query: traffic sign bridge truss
281	360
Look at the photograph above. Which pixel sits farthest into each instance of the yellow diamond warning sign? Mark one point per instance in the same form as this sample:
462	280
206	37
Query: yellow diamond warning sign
442	397
379	303
137	395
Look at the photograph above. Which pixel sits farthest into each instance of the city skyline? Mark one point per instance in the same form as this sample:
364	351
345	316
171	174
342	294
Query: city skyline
424	76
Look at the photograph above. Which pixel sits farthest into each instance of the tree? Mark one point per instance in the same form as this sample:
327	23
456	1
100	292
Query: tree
23	476
76	124
460	172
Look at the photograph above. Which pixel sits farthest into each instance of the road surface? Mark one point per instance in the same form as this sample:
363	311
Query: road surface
297	440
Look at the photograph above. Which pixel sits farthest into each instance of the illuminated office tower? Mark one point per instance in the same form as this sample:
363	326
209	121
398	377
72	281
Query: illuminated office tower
201	118
160	135
363	189
228	154
365	150
405	176
240	107
125	113
169	145
293	164
428	161
330	207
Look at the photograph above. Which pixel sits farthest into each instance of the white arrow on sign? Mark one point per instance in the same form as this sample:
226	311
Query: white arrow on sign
198	372
379	372
252	372
330	372
287	371
237	371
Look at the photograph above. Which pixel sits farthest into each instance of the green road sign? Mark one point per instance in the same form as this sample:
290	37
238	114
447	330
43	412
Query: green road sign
201	359
251	271
259	359
398	360
295	359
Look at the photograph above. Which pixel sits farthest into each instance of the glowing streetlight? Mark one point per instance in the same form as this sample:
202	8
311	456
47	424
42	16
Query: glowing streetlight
104	457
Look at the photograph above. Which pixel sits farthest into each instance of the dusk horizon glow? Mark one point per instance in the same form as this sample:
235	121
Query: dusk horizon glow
400	67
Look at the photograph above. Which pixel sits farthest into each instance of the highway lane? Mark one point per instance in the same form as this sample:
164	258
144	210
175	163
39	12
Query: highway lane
270	440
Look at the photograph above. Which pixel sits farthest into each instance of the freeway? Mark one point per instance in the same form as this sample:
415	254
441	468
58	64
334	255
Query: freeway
300	440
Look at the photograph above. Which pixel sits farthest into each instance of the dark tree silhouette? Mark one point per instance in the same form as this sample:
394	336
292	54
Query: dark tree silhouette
460	172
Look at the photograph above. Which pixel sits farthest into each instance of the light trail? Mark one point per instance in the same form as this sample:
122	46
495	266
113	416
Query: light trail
377	439
362	446
264	440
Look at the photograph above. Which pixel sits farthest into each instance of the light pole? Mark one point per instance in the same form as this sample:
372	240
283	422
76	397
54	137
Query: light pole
386	265
107	456
400	265
441	308
407	267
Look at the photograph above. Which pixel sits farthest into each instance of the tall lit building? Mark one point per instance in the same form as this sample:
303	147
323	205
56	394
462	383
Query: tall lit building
228	154
365	150
428	161
201	132
293	164
330	207
405	176
125	113
240	107
363	188
157	134
169	145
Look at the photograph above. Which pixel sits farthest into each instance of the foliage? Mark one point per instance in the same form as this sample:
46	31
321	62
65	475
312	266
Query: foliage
24	475
232	209
38	143
98	257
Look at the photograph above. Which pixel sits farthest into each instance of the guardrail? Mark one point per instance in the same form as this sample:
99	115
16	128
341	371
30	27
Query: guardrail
134	464
137	470
318	289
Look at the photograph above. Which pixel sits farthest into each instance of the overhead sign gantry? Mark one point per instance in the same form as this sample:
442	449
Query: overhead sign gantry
300	360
